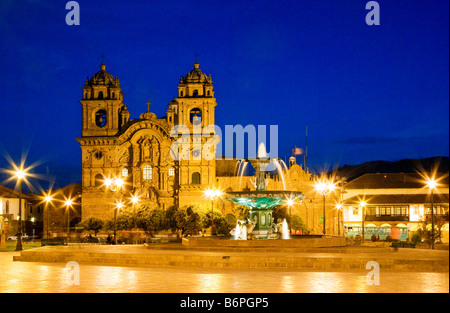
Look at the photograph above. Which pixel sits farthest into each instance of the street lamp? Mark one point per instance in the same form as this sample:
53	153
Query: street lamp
48	198
212	194
362	204
432	184
68	203
134	201
290	203
339	210
324	188
119	205
20	175
115	185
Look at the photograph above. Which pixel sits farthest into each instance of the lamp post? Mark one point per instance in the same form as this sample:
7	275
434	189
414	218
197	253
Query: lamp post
431	184
212	194
339	210
68	203
362	204
324	188
119	205
290	204
48	198
134	200
20	175
116	186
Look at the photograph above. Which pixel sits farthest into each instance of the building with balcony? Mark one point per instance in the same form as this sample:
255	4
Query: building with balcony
396	200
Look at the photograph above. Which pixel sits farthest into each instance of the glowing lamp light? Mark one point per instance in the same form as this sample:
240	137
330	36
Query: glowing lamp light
119	182
321	187
68	202
324	187
108	182
135	199
20	174
331	187
431	183
114	184
48	198
290	202
213	193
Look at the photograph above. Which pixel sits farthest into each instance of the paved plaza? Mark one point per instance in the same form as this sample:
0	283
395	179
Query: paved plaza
39	276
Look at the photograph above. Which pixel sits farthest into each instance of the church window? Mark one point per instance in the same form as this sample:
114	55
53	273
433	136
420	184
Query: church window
208	93
113	95
196	178
7	207
85	95
100	118
148	172
171	171
98	180
100	94
195	93
98	155
125	172
195	116
181	93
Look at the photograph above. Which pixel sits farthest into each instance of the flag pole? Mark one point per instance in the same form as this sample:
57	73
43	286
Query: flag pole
306	149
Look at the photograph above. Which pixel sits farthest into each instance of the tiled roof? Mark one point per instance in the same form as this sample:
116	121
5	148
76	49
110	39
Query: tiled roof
6	192
390	180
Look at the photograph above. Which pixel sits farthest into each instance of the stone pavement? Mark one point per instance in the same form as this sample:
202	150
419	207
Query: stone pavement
175	255
40	277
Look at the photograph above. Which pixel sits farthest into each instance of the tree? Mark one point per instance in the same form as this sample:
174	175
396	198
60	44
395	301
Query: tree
93	224
155	220
189	221
425	230
296	223
280	213
222	224
170	218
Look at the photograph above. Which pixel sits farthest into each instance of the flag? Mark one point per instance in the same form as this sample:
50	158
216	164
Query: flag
298	151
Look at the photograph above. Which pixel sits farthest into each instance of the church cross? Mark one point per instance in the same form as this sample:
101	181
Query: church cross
148	106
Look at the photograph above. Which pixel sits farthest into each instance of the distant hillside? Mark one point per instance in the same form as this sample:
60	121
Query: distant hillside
403	166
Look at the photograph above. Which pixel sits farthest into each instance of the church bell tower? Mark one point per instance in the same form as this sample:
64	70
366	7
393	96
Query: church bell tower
102	105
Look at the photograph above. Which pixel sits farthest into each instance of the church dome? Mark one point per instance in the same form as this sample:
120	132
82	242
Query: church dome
196	76
102	77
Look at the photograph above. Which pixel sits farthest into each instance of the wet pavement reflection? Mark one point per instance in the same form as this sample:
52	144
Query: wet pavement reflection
52	277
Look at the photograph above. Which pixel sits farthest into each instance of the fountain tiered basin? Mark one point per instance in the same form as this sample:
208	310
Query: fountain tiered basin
261	224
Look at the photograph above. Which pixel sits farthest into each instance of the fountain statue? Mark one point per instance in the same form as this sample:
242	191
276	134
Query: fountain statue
261	201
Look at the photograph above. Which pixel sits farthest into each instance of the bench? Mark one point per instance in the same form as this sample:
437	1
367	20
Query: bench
59	241
154	240
403	244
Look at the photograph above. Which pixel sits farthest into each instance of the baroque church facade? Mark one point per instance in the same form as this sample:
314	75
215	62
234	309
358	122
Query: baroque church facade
140	151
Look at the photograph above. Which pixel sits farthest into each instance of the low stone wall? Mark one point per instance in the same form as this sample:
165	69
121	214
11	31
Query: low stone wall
324	242
420	261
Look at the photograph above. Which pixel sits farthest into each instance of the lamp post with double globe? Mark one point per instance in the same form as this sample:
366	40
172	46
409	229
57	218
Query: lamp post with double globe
324	187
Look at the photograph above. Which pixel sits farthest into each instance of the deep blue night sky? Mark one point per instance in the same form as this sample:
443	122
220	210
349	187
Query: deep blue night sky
365	92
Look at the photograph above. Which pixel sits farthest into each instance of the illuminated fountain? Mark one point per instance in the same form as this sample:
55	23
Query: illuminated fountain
261	202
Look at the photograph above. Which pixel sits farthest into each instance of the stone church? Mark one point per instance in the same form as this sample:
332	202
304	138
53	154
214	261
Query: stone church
141	152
